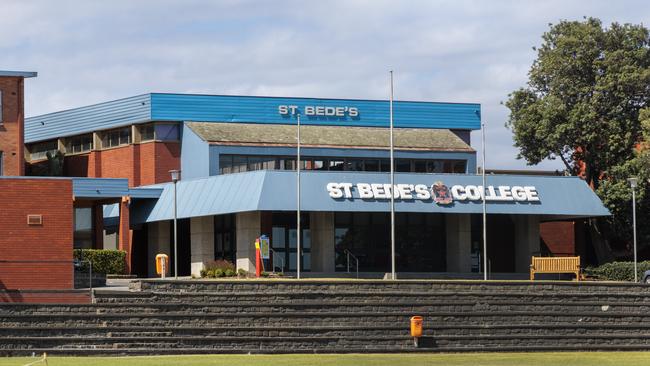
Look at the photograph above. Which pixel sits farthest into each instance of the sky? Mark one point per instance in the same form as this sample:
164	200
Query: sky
87	52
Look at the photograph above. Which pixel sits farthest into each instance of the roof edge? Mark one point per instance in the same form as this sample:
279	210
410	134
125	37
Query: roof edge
20	74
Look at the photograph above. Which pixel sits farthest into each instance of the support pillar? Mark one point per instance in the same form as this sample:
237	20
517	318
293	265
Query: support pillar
125	233
459	242
248	228
526	241
201	242
98	226
158	242
323	253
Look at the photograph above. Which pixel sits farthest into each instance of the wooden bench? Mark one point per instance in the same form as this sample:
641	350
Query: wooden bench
555	265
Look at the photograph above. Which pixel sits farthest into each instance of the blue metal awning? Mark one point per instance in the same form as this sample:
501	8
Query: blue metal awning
559	197
106	188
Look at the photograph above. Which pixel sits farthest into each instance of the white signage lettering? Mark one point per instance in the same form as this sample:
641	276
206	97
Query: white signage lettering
379	191
320	111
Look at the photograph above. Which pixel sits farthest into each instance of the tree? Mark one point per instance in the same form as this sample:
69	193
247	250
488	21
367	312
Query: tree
582	105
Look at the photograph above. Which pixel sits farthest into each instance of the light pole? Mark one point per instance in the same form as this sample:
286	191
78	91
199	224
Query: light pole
484	205
633	182
392	184
298	228
175	175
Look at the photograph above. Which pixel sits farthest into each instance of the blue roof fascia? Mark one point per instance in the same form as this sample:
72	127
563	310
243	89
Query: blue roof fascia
145	193
96	117
20	74
95	188
256	109
567	197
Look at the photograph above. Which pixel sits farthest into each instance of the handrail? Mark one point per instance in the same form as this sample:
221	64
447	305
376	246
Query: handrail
273	261
349	254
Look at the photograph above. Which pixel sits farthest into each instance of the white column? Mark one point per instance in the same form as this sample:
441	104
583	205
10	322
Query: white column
526	241
459	242
158	242
248	228
201	242
321	225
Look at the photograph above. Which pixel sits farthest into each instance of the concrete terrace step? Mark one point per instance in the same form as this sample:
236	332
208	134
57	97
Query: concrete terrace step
584	329
224	298
386	306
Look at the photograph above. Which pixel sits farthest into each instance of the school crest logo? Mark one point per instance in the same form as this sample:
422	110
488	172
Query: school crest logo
441	194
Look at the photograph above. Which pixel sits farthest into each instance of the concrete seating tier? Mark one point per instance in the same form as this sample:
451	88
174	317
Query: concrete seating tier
167	317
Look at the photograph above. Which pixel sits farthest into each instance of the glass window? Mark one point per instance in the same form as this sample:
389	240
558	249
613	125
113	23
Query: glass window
420	166
83	227
402	165
288	164
239	163
147	132
336	165
79	144
167	132
435	166
225	164
117	137
319	164
1	164
385	165
459	167
355	165
371	165
39	151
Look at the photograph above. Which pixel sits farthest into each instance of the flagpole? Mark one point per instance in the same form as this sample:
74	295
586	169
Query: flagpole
298	253
392	185
485	257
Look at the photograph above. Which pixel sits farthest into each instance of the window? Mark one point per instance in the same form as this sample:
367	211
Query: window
167	132
39	150
1	164
1	120
118	137
147	132
83	227
79	144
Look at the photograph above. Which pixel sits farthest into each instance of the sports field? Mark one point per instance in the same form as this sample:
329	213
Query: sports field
484	359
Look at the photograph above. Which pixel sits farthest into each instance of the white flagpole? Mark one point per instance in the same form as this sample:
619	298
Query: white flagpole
392	185
485	257
298	252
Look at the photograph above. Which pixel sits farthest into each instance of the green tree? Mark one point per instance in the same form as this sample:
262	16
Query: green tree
582	105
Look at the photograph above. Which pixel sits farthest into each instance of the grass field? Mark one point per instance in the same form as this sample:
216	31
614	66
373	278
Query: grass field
481	359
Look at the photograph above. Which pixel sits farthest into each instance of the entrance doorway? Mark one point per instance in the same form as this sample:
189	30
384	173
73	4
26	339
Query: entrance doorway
284	240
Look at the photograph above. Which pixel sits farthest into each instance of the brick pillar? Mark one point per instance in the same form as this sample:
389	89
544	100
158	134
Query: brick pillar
125	231
98	226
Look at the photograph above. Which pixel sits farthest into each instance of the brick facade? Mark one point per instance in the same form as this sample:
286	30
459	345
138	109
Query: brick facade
50	241
559	237
142	164
11	136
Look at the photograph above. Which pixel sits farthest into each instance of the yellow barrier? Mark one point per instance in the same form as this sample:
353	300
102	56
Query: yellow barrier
555	265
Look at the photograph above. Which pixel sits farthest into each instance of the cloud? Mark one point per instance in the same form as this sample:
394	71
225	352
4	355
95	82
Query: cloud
458	51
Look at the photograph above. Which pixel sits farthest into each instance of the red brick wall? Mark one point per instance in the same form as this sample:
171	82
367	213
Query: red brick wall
11	135
51	198
559	237
142	164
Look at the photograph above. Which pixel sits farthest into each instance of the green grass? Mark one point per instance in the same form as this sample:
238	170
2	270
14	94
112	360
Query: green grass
477	359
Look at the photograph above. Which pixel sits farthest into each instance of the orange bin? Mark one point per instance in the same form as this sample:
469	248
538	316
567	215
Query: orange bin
416	326
160	259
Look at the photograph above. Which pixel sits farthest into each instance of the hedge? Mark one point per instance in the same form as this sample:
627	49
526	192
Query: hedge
104	261
618	271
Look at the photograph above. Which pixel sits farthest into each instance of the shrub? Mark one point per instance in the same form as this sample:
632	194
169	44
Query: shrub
219	272
617	271
220	264
203	273
230	272
210	273
103	261
242	272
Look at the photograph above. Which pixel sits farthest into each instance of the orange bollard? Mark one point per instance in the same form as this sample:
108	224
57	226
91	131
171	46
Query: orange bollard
258	259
